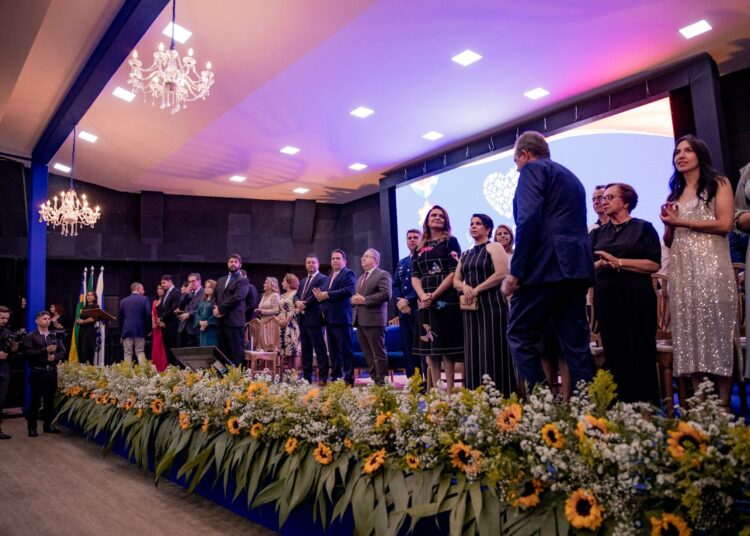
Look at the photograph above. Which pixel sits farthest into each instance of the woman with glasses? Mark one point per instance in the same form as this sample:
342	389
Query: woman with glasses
698	214
626	252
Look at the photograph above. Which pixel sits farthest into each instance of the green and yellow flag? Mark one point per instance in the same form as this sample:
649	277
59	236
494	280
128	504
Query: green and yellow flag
73	356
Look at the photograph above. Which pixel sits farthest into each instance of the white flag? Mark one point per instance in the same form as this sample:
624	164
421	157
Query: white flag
99	359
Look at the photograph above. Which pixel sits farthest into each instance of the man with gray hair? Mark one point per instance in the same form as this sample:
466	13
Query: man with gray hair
135	315
370	301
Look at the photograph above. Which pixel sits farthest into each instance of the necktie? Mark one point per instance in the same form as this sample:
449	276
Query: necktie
330	283
307	287
364	280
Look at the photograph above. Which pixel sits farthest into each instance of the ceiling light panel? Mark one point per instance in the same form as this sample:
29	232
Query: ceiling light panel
123	94
62	167
301	190
362	112
180	34
87	136
237	178
290	150
466	58
536	93
432	135
700	27
358	166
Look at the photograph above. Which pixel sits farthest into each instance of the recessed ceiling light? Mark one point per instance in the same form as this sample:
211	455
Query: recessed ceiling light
290	150
688	32
362	111
88	136
237	178
124	94
467	57
180	34
432	135
357	166
62	167
536	93
301	190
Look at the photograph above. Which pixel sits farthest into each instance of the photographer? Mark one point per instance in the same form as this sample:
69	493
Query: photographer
8	346
43	350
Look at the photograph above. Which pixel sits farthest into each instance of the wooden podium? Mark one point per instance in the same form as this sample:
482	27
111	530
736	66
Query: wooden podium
100	315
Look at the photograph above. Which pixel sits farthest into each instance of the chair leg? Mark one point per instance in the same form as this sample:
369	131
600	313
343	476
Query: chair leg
664	366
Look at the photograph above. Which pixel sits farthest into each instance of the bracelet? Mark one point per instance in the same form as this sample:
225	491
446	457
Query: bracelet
619	264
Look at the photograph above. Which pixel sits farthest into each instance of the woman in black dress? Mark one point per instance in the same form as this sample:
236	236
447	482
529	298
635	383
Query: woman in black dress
439	326
478	276
628	251
87	330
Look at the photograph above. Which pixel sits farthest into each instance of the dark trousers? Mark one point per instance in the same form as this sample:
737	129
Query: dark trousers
372	341
185	339
4	382
407	326
169	336
340	352
561	304
231	342
312	339
42	387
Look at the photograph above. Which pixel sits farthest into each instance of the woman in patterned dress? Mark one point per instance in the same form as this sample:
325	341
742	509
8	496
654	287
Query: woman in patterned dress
702	290
439	326
205	320
290	342
478	276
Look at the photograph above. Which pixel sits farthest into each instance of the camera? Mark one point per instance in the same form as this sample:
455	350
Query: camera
9	338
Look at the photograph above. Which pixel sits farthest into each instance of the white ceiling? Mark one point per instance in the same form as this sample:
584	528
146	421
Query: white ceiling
289	71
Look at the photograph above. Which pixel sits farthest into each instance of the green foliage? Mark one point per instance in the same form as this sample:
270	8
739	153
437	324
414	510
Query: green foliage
602	391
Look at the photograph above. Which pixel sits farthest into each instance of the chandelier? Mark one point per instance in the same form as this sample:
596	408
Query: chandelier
171	80
69	211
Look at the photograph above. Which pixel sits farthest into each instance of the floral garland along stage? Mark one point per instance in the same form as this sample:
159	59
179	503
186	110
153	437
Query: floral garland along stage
493	464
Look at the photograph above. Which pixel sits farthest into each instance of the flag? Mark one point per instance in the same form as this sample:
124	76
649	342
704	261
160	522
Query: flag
73	356
99	359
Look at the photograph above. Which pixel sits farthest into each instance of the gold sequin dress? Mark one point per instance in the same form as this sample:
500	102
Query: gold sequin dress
703	297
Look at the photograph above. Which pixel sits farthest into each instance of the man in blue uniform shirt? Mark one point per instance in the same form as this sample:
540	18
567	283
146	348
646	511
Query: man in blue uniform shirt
406	302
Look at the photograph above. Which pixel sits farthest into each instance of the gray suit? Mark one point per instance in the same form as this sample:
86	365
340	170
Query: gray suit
371	320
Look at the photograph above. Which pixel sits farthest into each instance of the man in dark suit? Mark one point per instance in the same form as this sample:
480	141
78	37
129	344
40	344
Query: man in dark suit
552	266
231	292
188	332
185	297
134	315
371	314
334	298
167	316
43	351
311	321
251	301
406	303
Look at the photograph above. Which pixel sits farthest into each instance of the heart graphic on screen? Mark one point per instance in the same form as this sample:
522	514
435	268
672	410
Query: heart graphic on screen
425	187
499	189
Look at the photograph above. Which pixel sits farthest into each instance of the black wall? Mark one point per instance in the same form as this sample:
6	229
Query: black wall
735	96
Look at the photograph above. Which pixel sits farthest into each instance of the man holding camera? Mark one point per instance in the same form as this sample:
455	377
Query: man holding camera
43	352
7	347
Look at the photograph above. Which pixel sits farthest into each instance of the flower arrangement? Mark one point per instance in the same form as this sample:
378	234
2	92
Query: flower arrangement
493	464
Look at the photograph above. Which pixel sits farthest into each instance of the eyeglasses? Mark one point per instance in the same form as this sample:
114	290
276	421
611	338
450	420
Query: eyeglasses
597	198
609	197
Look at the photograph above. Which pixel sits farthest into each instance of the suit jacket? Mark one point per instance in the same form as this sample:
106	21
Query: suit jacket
165	310
231	300
35	349
377	293
189	307
251	302
313	314
337	309
402	287
552	241
135	315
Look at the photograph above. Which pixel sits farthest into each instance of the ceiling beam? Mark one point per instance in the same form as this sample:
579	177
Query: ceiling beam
131	22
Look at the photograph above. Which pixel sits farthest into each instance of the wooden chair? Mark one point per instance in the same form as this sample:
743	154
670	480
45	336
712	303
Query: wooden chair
664	348
597	350
739	268
265	352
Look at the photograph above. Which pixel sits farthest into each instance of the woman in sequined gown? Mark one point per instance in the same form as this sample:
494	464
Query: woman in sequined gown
478	276
742	222
702	290
439	328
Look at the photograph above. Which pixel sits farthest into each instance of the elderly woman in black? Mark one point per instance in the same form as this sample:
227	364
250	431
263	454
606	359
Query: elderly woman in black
627	251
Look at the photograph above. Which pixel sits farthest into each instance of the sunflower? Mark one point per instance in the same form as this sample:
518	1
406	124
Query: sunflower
204	428
668	525
373	462
552	436
256	388
256	429
382	418
583	511
686	439
157	406
412	462
291	445
530	495
227	406
128	404
113	400
140	412
323	454
509	417
184	420
234	426
311	394
348	443
591	422
460	456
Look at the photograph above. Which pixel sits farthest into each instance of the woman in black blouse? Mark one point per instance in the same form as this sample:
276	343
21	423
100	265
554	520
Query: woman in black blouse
87	330
627	251
439	325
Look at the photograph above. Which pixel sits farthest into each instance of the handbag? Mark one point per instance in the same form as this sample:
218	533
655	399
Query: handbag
473	306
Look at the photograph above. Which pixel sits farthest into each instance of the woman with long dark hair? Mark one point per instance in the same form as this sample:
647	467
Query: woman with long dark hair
703	294
87	330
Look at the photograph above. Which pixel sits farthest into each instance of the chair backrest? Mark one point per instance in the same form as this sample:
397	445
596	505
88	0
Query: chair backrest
267	335
739	275
660	284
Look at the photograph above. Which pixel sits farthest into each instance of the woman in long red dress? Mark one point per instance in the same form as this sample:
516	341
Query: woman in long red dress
158	353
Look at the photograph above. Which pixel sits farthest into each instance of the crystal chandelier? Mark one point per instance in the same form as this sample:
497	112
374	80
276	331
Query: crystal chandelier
69	211
171	80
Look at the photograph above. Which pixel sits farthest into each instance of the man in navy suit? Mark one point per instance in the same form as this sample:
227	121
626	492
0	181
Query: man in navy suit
552	266
189	333
231	292
311	322
406	303
334	298
167	316
134	315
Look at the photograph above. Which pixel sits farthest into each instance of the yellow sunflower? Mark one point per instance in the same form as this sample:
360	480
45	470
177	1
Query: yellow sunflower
583	511
323	454
227	406
509	417
234	426
311	394
686	439
348	443
412	462
256	429
291	445
184	420
374	462
669	525
552	436
140	412
256	388
530	495
382	418
593	423
157	406
128	405
460	456
204	428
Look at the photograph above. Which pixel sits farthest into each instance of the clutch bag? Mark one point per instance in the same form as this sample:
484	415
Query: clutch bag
473	306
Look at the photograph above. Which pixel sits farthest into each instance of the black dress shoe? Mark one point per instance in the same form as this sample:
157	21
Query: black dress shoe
4	436
33	432
51	430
